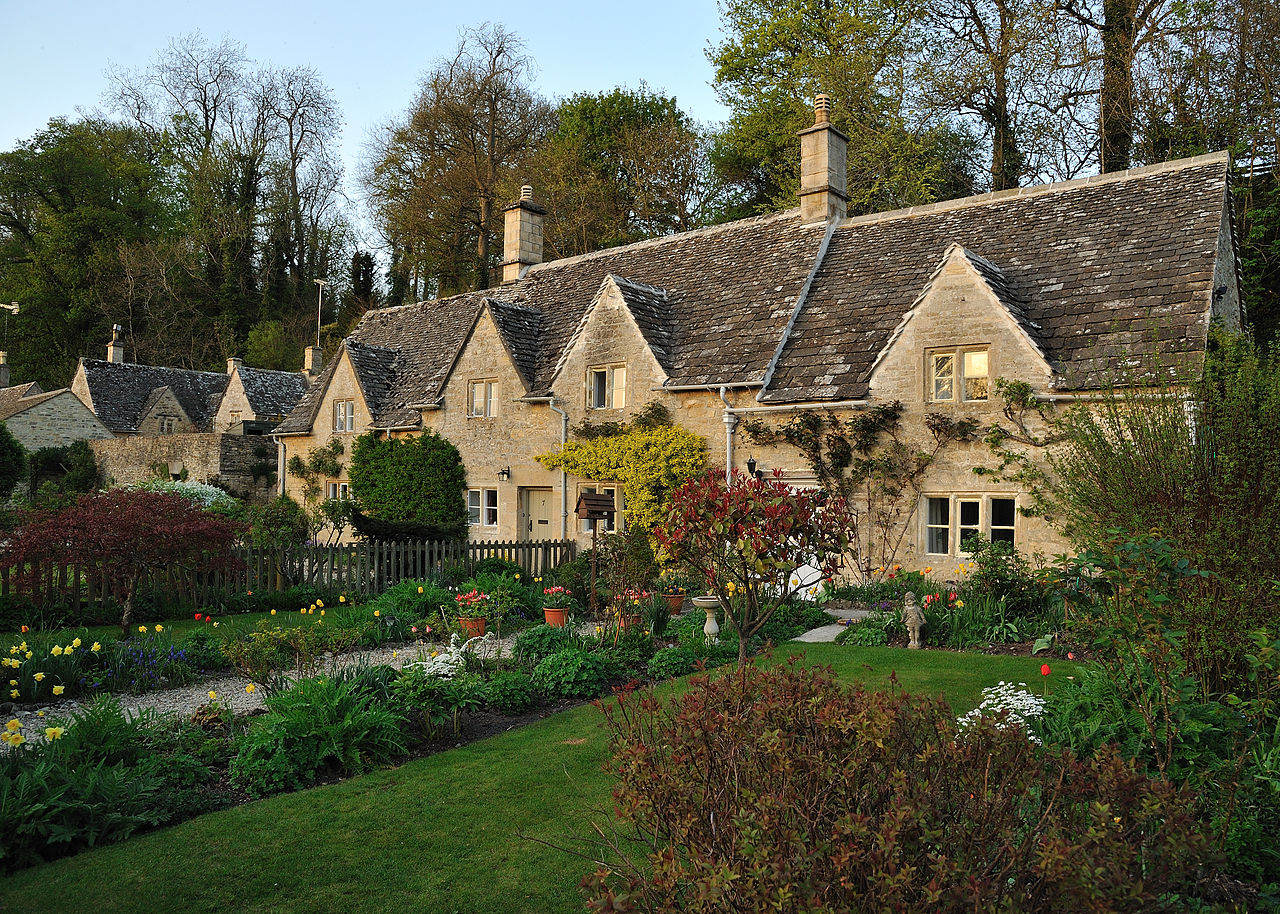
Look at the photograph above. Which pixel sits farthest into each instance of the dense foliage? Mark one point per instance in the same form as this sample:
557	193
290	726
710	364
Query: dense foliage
418	480
783	789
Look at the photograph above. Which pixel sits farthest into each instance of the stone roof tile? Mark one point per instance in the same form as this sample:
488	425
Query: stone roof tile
121	391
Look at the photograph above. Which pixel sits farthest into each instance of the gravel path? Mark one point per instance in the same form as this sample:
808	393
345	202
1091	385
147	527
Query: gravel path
230	687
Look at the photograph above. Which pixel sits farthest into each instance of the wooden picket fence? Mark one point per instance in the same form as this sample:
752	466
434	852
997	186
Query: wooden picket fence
364	568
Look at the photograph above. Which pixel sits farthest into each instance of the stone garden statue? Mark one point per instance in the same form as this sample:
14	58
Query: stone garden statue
912	618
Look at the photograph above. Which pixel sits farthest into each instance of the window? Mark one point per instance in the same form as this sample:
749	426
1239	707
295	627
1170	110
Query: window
344	415
235	417
607	387
606	526
481	399
482	507
965	374
168	425
339	491
951	521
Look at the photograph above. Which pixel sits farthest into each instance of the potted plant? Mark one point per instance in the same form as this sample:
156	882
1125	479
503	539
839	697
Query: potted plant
674	591
473	611
628	608
555	606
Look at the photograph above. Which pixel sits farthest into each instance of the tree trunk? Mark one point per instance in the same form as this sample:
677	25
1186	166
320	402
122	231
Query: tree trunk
1119	28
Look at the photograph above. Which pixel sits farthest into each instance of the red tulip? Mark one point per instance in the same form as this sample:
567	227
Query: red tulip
1044	669
197	617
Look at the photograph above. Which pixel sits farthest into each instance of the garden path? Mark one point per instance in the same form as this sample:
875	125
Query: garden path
829	632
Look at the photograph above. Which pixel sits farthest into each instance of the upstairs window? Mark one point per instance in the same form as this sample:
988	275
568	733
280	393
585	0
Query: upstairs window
344	415
339	491
168	425
963	374
481	399
607	387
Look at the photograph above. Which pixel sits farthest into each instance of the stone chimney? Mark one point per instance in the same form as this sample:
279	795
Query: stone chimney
312	361
521	235
115	349
823	163
232	365
4	369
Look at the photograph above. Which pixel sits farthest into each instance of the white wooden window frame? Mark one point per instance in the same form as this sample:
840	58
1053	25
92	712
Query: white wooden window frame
950	377
482	507
607	387
344	415
959	520
606	526
482	398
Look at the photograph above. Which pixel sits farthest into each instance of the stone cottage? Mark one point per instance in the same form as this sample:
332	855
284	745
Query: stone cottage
1064	286
198	425
39	419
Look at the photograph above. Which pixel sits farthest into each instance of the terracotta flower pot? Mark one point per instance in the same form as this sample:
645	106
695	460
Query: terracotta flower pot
675	601
473	625
556	616
629	620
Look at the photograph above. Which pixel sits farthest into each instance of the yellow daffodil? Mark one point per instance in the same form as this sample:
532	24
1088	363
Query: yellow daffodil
394	654
17	739
57	650
76	643
52	733
377	613
14	725
960	603
96	647
39	714
14	649
215	625
142	628
342	598
27	655
435	653
212	695
39	677
251	688
159	628
320	603
58	690
22	646
13	693
419	588
14	682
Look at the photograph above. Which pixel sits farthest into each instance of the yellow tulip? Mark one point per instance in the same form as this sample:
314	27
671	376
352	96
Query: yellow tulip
273	612
159	628
58	690
320	603
419	588
377	613
142	628
342	598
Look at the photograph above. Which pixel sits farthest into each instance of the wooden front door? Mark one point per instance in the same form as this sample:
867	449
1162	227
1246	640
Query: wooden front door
537	509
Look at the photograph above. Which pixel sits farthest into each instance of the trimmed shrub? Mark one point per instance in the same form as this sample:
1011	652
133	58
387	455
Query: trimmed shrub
572	673
413	480
671	662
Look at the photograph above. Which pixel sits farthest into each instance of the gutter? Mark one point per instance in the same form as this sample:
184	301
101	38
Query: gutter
796	407
684	388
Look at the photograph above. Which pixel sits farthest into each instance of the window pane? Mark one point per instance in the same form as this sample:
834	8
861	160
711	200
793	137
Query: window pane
939	511
944	369
938	539
976	383
490	400
473	506
1002	536
1002	512
619	399
969	513
599	389
491	507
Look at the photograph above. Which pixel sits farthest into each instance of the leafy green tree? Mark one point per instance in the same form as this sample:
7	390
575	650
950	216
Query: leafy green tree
776	57
411	480
13	461
270	346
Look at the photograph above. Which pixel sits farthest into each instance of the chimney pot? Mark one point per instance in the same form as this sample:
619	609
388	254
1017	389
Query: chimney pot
526	192
115	349
822	109
312	361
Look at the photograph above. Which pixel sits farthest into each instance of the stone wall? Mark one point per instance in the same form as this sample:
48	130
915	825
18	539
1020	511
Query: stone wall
228	461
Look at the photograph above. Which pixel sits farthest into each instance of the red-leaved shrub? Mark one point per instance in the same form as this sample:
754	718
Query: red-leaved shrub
782	790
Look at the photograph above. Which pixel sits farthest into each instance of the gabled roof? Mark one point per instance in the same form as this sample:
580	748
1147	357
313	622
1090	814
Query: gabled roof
14	400
1100	273
271	393
121	391
1113	273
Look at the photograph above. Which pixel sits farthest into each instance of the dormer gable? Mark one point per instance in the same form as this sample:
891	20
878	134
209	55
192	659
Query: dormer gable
967	326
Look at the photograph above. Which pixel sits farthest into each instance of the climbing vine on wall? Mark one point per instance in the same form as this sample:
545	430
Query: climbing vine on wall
320	464
650	457
864	459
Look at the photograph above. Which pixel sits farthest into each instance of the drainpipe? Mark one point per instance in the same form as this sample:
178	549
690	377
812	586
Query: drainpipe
280	466
564	477
730	423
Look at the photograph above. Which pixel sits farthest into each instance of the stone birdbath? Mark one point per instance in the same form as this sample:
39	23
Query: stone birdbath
711	629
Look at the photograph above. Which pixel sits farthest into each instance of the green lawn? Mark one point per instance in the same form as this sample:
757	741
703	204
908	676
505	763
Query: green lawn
177	628
436	835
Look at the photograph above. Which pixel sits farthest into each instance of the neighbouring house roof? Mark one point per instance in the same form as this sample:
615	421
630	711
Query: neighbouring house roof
272	393
1107	274
121	392
21	397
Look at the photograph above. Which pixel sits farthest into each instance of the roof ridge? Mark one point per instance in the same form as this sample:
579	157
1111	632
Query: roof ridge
212	374
1037	190
642	286
665	239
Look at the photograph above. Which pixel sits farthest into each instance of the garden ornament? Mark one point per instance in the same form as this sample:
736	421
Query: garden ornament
912	618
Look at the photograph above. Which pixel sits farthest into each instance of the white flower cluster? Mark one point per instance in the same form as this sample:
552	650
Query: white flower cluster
447	663
1019	705
198	493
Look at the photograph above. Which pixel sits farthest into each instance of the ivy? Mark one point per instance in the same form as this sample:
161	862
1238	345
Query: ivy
650	457
863	459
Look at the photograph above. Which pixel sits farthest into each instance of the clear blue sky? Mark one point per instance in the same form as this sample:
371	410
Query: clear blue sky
371	53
